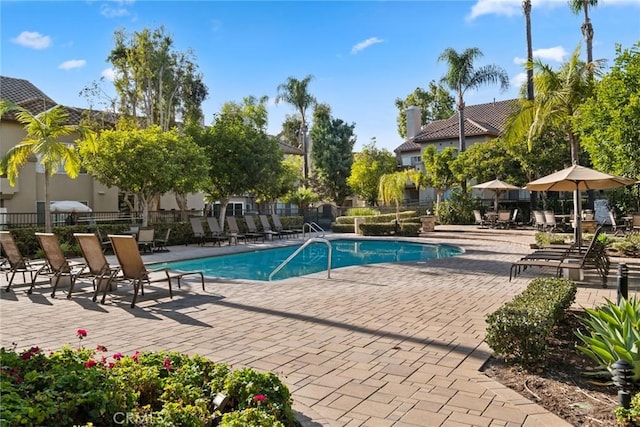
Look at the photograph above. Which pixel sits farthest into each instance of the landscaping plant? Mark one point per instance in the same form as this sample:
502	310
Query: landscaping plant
98	388
612	334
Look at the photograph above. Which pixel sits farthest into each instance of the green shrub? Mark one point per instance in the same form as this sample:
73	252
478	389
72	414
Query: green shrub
519	329
342	228
612	334
384	229
630	416
362	212
246	387
458	209
253	417
546	239
78	386
409	228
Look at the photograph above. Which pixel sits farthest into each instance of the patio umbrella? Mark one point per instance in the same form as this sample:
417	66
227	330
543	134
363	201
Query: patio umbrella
497	186
69	206
577	178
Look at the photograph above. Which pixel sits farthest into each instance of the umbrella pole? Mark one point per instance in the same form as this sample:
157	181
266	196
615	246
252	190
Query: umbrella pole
578	218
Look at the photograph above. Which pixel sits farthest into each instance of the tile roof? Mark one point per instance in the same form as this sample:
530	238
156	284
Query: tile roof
25	94
28	96
482	119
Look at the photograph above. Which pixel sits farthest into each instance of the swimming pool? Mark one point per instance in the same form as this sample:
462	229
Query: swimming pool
258	265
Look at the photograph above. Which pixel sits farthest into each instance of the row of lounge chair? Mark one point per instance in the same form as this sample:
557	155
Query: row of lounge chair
216	235
55	266
568	257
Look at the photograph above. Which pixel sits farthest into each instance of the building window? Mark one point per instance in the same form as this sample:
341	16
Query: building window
416	160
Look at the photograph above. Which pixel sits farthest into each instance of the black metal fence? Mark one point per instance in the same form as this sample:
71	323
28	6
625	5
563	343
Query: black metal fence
29	219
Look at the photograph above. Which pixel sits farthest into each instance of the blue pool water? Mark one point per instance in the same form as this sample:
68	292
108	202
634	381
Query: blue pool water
258	265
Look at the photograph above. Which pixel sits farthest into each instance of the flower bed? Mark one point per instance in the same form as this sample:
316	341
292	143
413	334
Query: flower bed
95	387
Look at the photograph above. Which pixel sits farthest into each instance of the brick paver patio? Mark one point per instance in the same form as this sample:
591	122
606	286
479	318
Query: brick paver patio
376	345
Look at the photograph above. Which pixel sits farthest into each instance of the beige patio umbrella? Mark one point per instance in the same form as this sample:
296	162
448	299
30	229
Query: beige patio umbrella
497	186
577	178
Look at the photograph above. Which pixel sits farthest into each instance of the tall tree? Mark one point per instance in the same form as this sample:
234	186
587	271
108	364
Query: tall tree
609	122
290	133
241	158
368	166
437	167
462	76
435	103
526	7
559	96
43	133
332	154
145	162
576	7
155	81
254	110
296	93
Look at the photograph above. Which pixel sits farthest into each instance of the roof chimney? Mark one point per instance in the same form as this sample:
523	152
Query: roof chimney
414	119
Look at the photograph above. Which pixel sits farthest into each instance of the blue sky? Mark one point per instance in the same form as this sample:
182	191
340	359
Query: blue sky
362	54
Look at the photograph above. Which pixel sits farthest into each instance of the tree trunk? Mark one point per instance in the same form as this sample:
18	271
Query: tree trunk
223	212
587	31
526	5
181	201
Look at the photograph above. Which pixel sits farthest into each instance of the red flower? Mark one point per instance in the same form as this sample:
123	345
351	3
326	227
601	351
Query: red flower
26	355
167	364
111	365
81	333
118	356
259	398
90	363
35	349
135	356
19	380
101	348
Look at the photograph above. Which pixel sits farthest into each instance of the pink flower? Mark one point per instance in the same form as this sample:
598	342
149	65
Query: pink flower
90	363
81	333
26	355
135	356
259	398
103	359
35	349
101	348
167	364
111	365
118	356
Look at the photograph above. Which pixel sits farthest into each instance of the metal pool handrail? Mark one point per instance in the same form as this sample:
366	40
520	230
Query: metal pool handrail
312	226
297	251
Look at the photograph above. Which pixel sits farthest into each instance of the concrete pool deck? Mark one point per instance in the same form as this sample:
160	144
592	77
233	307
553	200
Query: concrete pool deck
375	345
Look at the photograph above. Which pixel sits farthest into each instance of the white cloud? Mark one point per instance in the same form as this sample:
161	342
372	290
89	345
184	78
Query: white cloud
519	79
513	7
109	74
72	63
33	40
556	54
365	44
113	12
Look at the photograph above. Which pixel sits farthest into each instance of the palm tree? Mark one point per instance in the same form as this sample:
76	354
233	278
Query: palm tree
559	96
295	92
462	76
42	140
391	189
576	7
526	7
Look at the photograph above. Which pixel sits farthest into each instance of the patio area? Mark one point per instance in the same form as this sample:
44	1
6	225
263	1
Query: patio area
375	345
